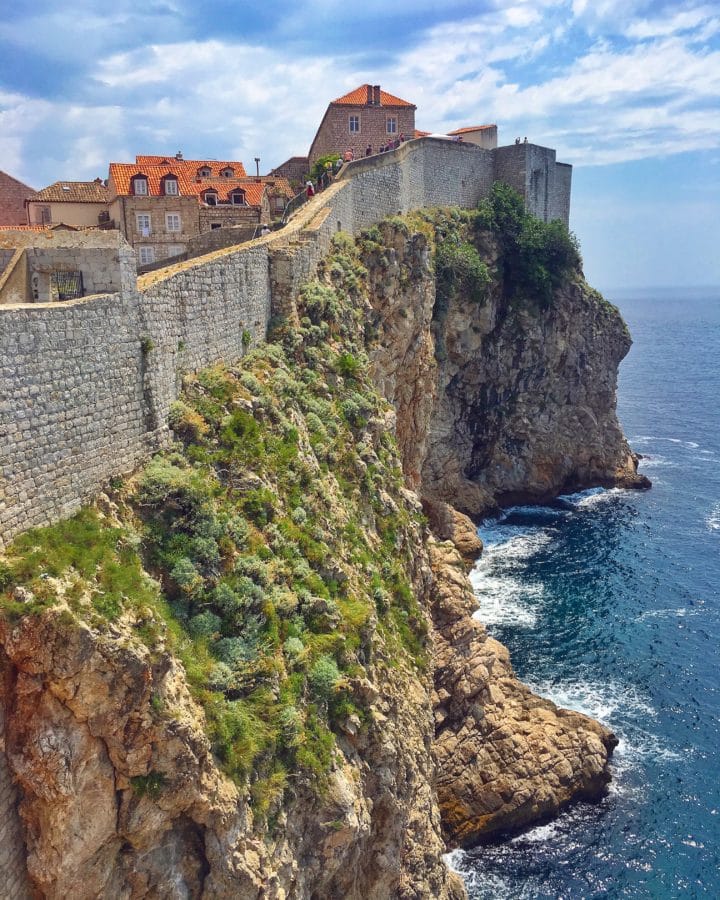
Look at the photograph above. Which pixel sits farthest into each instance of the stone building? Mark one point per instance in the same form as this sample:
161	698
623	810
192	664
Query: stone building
160	204
13	194
367	115
481	135
48	265
82	204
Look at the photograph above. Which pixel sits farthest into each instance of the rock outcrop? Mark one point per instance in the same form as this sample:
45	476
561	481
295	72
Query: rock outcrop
498	402
506	757
121	796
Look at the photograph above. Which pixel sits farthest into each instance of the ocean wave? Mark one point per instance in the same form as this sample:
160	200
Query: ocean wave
504	601
507	546
670	613
713	520
656	461
600	700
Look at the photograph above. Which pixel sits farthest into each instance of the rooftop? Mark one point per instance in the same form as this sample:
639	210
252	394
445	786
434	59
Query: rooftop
359	97
73	192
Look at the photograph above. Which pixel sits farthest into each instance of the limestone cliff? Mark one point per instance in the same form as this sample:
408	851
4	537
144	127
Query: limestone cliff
500	400
252	670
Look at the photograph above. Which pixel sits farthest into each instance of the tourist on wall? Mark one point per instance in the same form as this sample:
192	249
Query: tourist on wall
368	150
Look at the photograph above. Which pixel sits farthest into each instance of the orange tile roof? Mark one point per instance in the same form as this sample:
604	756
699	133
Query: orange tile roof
121	174
470	128
225	186
419	134
73	192
358	97
192	165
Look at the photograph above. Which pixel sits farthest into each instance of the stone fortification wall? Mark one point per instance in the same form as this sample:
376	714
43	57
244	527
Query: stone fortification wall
535	174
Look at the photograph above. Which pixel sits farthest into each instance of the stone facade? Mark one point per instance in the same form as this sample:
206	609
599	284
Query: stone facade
536	175
165	241
365	116
13	194
105	261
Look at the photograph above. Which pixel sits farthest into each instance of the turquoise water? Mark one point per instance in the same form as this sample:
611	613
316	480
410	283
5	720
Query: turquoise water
610	604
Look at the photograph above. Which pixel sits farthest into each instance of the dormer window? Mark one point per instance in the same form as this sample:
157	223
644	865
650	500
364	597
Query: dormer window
237	198
204	172
139	185
170	186
211	198
227	172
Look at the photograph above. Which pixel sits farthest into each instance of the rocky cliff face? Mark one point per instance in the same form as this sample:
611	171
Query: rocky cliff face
499	401
253	671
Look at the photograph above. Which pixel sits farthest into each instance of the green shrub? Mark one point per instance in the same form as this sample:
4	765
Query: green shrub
186	422
323	678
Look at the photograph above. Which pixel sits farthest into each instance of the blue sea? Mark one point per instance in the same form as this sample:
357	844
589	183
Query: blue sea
610	604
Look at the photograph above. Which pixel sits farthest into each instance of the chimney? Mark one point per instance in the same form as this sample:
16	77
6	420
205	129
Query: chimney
376	94
369	89
179	155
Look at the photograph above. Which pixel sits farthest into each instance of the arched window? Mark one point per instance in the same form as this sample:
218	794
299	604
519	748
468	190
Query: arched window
204	172
227	172
211	198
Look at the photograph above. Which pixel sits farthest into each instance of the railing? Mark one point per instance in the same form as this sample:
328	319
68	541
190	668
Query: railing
293	205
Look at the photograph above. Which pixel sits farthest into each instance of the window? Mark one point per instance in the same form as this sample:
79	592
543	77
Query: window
204	172
171	187
175	250
211	198
214	225
354	124
227	172
143	224
146	255
45	216
237	198
140	186
391	125
172	222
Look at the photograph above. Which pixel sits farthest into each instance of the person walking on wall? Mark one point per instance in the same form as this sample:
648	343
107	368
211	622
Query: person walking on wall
368	150
309	189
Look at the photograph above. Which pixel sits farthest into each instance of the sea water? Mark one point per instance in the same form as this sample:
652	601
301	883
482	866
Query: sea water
609	601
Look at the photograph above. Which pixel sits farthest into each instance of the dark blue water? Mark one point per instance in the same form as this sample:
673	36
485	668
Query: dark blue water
612	607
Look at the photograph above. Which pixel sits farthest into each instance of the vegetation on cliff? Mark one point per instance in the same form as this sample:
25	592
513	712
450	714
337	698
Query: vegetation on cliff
271	549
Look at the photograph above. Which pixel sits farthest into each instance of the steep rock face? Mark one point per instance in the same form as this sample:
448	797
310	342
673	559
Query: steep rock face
497	402
121	797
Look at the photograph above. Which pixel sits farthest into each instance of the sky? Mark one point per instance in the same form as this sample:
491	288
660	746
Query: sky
627	91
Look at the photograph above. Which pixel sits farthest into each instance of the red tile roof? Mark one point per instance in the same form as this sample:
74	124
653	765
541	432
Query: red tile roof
470	128
24	228
418	134
225	186
191	166
359	97
73	192
122	173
